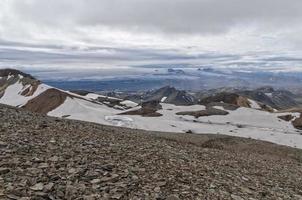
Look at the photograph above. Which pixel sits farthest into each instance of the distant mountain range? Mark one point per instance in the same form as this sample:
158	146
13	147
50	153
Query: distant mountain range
183	78
263	113
265	96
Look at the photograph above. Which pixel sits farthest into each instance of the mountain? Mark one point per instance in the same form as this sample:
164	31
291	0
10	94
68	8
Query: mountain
183	77
165	95
265	96
164	110
278	99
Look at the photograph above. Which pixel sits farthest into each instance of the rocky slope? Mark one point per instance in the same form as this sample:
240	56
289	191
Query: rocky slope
50	158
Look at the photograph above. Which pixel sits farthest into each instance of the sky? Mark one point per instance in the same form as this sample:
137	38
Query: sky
120	34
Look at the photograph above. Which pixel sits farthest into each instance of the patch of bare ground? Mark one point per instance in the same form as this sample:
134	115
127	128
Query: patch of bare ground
50	158
297	123
148	109
145	112
46	101
286	118
203	113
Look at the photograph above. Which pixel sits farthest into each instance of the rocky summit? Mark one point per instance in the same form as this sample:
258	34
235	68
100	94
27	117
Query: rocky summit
50	158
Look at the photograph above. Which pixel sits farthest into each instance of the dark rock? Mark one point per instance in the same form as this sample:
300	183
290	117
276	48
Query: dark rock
4	170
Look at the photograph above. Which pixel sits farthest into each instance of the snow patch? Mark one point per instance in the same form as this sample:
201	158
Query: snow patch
94	96
219	107
254	104
163	99
128	103
9	77
81	109
118	120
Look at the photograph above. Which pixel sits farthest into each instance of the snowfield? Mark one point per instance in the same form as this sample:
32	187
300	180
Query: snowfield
254	104
81	109
243	122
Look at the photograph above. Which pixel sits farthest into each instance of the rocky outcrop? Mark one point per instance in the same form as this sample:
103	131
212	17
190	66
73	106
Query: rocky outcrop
297	123
14	72
148	109
203	113
225	106
229	98
286	117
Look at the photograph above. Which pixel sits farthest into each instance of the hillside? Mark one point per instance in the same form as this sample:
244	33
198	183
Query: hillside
224	113
50	158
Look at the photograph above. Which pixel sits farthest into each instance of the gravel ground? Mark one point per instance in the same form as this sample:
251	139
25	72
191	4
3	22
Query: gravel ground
49	158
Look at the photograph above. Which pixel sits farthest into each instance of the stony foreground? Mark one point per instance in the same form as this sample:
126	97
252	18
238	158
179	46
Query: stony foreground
49	158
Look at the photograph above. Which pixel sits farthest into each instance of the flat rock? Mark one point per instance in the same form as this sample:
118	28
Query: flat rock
37	187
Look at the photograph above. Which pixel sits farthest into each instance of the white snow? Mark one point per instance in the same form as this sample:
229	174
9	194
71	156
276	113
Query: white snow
254	104
12	95
118	120
94	96
81	109
163	99
219	107
243	122
128	103
9	76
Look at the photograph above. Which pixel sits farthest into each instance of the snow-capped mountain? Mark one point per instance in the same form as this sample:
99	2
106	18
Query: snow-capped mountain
228	115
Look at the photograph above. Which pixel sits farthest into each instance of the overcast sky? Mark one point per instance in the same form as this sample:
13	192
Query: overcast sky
260	34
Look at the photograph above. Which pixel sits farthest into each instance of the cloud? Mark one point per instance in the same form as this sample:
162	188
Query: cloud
122	32
184	16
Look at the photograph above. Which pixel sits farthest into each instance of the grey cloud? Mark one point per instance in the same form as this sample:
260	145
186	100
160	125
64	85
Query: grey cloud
67	32
279	58
95	56
180	16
